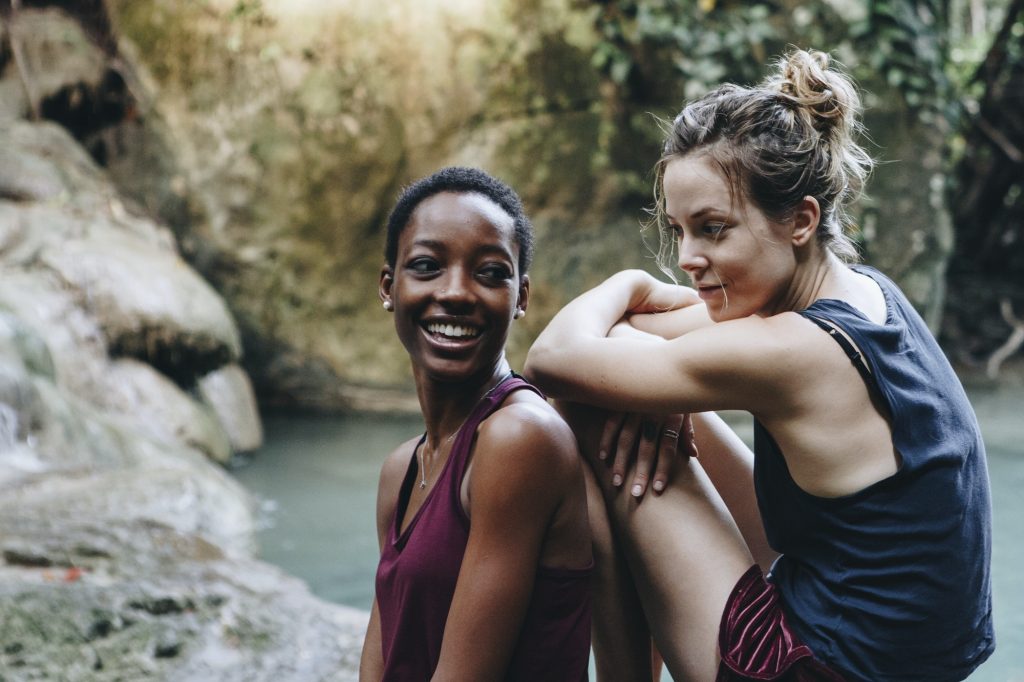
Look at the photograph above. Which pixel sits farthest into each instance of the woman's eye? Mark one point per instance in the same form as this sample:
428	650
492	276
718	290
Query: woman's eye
423	265
497	272
714	229
676	230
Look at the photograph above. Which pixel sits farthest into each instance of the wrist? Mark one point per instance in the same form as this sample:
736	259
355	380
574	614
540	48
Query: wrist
634	287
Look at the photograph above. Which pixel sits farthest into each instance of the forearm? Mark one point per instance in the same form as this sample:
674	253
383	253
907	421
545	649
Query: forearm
590	316
594	312
670	324
479	641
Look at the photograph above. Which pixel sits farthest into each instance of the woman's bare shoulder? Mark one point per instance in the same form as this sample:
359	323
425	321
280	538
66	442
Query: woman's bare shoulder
528	432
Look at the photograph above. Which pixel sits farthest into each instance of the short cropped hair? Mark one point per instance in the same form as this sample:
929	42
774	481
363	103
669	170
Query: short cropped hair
460	180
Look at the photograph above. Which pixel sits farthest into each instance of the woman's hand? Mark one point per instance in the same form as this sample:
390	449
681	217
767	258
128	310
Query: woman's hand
650	295
657	442
588	354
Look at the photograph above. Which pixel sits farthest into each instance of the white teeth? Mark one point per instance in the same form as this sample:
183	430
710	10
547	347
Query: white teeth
452	331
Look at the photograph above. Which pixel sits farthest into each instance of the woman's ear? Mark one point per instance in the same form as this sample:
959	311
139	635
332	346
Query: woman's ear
387	278
524	295
805	220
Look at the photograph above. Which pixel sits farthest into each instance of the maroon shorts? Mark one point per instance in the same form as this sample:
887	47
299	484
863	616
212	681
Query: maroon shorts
757	643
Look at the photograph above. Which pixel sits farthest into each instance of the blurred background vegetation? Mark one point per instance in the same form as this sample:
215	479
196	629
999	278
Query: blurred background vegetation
272	136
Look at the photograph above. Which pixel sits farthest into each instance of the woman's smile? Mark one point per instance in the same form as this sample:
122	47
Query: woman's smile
454	331
456	285
452	335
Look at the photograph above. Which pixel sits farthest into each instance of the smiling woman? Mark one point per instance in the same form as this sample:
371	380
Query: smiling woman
484	569
860	422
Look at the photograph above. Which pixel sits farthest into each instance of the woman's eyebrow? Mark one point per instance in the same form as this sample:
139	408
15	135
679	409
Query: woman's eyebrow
429	243
497	249
701	212
696	215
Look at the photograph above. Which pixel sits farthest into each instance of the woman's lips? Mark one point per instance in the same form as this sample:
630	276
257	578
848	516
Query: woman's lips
451	336
453	331
708	291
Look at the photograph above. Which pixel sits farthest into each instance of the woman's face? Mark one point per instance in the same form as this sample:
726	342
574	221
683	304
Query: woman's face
740	262
455	285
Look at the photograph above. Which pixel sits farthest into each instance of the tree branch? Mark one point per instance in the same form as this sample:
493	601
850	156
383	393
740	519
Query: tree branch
1012	343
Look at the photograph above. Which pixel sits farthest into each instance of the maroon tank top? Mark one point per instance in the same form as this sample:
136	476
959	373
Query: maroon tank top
419	568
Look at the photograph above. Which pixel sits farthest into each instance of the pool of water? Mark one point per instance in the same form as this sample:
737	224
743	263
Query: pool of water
317	480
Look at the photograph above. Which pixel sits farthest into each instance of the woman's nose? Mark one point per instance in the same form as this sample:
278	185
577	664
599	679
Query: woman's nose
691	258
455	287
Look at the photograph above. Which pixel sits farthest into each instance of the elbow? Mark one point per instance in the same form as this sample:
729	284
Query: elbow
541	367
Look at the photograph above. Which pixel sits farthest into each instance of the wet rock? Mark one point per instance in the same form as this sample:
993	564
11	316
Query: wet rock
125	552
91	276
229	393
175	322
162	605
70	461
20	344
164	411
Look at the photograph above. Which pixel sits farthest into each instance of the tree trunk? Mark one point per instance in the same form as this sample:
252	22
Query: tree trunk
988	205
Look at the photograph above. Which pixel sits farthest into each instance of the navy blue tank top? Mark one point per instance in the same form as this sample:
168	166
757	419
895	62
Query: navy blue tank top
891	582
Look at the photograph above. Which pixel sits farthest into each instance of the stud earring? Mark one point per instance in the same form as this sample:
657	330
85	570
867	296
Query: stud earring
388	306
519	314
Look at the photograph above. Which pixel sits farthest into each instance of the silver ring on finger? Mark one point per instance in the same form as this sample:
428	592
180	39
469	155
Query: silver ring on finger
670	433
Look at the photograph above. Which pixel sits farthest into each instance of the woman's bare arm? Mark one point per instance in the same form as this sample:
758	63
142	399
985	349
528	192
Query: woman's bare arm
670	324
512	508
749	363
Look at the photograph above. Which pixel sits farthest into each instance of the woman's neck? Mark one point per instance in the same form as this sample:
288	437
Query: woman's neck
819	275
447	405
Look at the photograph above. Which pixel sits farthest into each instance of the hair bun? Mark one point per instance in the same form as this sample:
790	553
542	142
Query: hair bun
806	83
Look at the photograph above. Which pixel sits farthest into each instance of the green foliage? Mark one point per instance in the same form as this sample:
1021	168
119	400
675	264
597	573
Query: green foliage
704	42
708	42
248	9
905	41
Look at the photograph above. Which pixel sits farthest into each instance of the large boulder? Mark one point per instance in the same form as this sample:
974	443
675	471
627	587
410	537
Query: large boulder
126	552
140	600
294	144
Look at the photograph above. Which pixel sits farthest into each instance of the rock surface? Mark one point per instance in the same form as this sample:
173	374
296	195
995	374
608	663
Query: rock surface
135	599
125	551
229	393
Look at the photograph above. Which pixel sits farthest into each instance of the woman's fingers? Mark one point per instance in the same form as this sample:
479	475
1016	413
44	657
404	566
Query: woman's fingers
662	297
646	456
610	434
625	447
686	432
673	434
654	442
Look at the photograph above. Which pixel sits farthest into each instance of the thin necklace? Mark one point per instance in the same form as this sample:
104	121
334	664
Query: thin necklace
424	474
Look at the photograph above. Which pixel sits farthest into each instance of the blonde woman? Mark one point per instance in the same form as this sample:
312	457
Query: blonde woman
868	479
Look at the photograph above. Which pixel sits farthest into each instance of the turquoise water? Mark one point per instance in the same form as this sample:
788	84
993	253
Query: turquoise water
317	478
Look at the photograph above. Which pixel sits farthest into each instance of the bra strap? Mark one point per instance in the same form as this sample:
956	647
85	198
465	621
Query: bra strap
851	351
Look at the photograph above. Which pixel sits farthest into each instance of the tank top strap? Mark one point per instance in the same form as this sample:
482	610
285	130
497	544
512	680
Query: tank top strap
856	357
459	457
